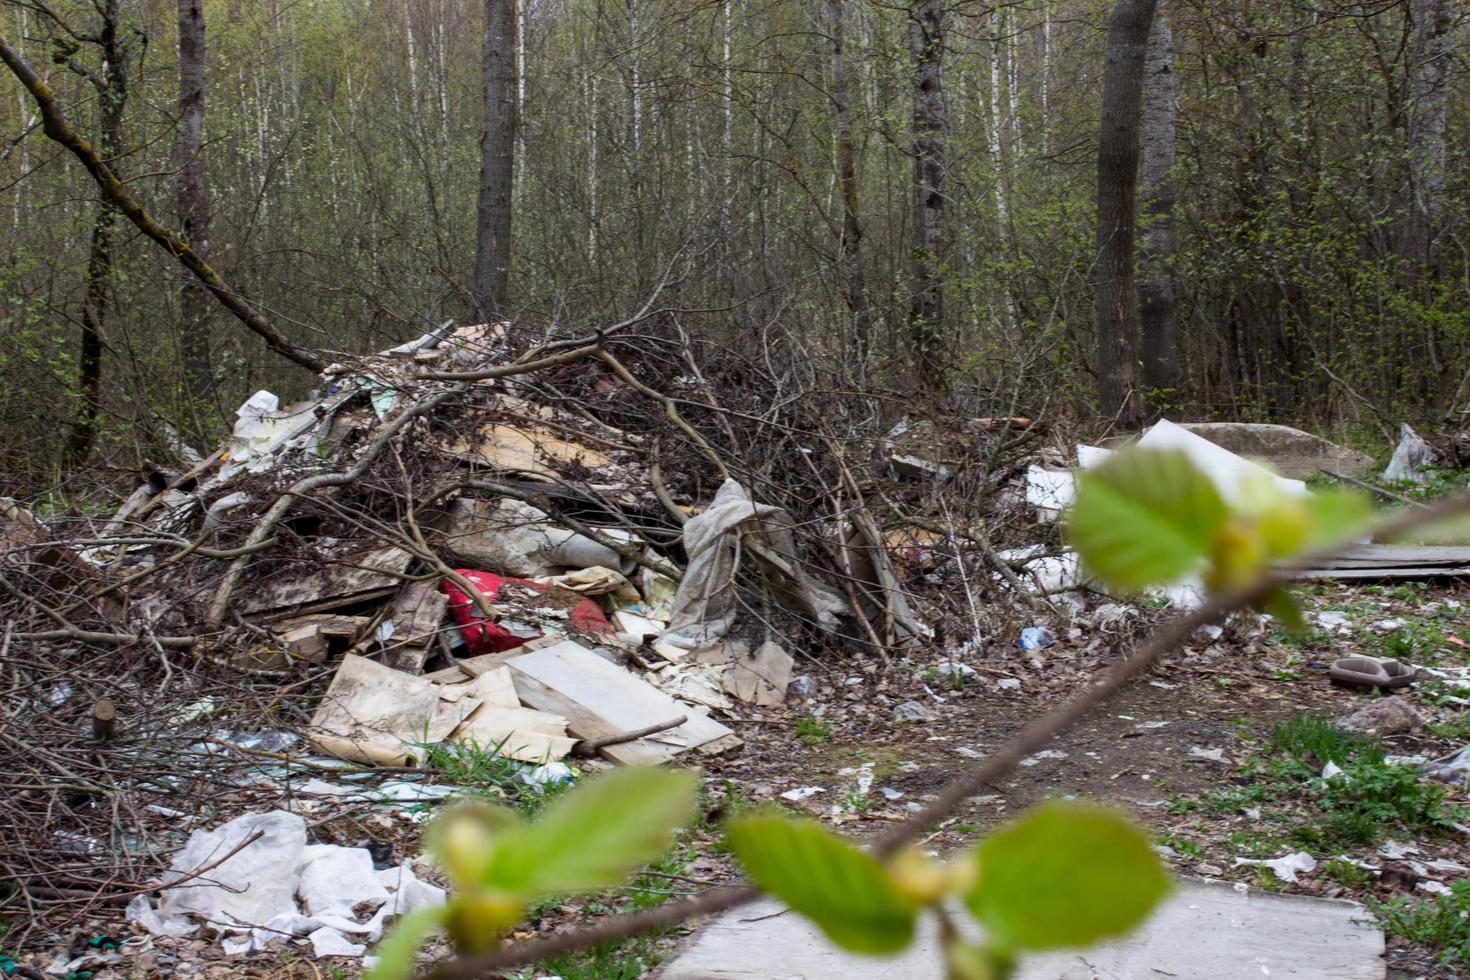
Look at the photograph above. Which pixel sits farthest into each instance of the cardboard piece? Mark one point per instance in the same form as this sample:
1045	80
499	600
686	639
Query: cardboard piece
382	716
599	699
524	734
760	677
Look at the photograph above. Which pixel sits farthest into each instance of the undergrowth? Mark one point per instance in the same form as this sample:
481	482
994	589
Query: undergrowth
483	771
1282	787
1441	921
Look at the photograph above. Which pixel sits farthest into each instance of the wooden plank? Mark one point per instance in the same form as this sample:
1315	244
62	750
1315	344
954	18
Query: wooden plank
1368	574
331	584
599	699
586	724
722	746
1396	554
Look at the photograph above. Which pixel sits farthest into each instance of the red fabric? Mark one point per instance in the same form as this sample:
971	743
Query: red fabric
482	635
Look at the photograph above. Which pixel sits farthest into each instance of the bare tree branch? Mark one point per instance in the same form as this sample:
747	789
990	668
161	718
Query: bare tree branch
58	129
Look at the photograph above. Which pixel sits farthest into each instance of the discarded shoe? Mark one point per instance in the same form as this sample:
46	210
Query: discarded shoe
1361	671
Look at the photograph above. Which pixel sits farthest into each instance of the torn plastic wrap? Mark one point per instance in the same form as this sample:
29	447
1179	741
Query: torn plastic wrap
704	607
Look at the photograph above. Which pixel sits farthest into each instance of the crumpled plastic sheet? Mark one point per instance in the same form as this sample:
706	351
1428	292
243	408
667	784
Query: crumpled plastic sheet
1285	868
703	609
279	887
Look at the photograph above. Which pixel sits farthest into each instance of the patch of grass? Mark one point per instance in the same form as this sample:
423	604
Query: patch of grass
1346	873
1453	729
484	772
1441	922
1188	849
1433	690
1437	483
1371	799
631	958
1418	641
626	960
1316	741
1282	786
1253	843
1296	639
813	729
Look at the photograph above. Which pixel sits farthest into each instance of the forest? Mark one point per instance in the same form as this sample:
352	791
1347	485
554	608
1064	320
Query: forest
543	488
901	198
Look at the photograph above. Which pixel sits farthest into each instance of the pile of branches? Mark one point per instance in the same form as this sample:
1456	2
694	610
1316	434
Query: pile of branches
145	613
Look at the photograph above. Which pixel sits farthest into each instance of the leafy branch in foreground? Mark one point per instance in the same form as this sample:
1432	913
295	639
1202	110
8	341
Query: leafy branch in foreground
499	863
1149	517
1066	874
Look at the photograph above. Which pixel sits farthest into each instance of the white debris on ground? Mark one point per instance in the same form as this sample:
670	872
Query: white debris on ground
255	882
1284	868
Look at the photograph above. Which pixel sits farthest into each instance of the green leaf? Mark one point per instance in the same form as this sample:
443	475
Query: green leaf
396	951
465	839
1337	516
1065	874
593	836
1283	606
845	891
1144	517
965	961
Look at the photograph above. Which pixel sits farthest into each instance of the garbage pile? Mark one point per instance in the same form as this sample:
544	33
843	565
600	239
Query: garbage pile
414	519
448	548
438	550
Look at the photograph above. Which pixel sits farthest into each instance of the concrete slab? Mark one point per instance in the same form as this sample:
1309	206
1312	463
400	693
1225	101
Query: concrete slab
1207	931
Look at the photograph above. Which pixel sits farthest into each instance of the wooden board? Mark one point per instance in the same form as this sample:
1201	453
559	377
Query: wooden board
353	579
1389	571
1392	561
1420	556
599	699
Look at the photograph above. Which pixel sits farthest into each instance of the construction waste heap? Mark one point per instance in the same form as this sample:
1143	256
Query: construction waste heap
453	550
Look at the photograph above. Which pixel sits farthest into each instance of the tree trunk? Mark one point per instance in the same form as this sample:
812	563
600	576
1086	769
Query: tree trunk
193	198
926	315
1117	204
112	98
1156	283
497	163
852	231
1425	122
